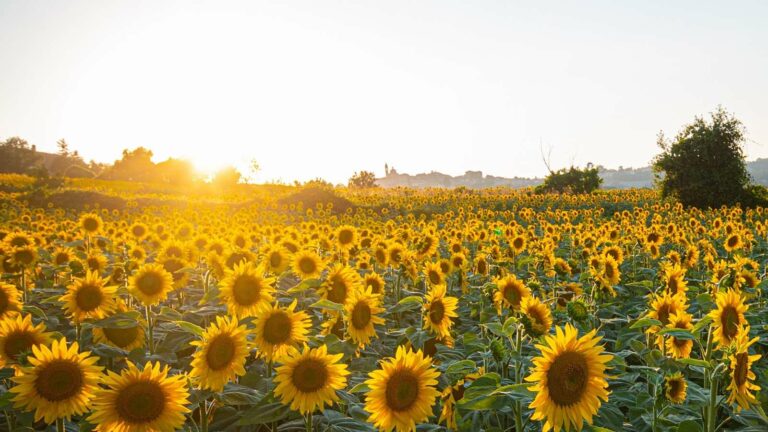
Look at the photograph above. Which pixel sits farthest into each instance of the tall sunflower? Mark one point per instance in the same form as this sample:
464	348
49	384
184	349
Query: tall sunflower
568	379
510	292
59	383
221	354
309	380
10	300
402	392
18	335
150	284
728	318
88	297
280	330
245	290
361	314
439	309
742	378
141	400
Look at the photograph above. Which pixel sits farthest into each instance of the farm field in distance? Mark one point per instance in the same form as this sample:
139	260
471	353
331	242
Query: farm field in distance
129	305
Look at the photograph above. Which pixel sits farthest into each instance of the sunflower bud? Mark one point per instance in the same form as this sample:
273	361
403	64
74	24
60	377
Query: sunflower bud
498	350
577	310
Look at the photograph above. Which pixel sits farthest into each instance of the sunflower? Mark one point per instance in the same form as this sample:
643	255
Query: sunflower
675	388
680	348
361	314
17	336
59	383
569	379
518	244
733	242
674	279
10	300
221	354
611	272
439	309
280	330
173	266
307	264
125	338
537	317
96	262
375	282
91	223
346	237
662	308
309	380
150	284
88	298
728	318
742	378
434	274
141	400
245	291
23	256
402	392
339	283
276	259
451	395
510	292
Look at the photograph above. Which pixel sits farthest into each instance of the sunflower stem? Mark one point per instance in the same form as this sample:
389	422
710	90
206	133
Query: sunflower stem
518	379
150	330
309	422
712	409
59	425
203	416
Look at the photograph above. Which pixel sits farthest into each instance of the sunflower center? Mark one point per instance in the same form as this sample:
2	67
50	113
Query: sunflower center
567	378
517	243
307	265
275	259
733	241
512	295
277	328
338	292
673	284
663	314
437	311
434	277
730	322
361	315
140	402
89	297
675	387
402	390
122	337
741	370
246	290
457	392
17	343
59	380
309	375
345	237
221	351
150	283
90	224
3	302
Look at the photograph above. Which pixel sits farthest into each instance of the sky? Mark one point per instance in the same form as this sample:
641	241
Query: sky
326	88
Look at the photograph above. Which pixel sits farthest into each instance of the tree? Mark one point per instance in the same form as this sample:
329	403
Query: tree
704	165
362	179
135	165
573	180
227	177
17	156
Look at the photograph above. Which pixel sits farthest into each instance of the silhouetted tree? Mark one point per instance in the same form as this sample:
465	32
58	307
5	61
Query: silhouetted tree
135	165
17	156
572	180
227	177
176	171
362	179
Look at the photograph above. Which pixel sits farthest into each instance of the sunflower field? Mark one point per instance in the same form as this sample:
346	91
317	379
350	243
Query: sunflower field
494	310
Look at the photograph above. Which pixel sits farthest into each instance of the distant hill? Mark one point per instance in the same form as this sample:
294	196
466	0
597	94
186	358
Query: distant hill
621	178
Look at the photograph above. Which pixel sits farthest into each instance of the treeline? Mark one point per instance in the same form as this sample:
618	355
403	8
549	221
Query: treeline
18	156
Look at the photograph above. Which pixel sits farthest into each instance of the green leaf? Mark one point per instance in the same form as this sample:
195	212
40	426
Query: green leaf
122	320
677	333
688	426
645	322
327	304
34	310
305	285
408	303
705	321
360	388
262	414
461	367
694	362
190	327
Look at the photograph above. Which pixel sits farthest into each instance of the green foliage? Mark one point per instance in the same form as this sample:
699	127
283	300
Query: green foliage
227	177
17	156
362	180
573	180
704	165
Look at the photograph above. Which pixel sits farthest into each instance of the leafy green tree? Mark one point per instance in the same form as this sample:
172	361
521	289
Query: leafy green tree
362	180
17	156
135	165
227	177
704	165
573	180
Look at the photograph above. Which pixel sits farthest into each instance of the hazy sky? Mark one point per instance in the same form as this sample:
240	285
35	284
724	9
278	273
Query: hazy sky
324	88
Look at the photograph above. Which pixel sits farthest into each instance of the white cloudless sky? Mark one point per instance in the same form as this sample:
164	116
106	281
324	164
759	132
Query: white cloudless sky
325	88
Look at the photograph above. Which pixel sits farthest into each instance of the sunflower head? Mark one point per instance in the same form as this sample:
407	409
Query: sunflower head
307	264
10	300
728	318
675	388
18	335
279	331
150	284
361	313
510	293
439	311
537	317
309	380
742	383
88	297
245	290
221	354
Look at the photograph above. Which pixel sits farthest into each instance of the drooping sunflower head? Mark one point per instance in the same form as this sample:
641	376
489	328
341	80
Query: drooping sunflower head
402	392
439	311
59	383
17	337
307	264
145	399
728	318
510	292
675	388
279	331
88	297
309	380
537	317
742	383
568	379
151	284
361	314
245	290
10	300
221	354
